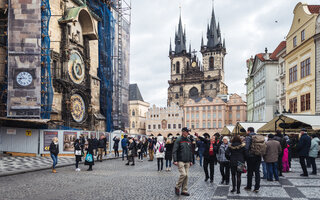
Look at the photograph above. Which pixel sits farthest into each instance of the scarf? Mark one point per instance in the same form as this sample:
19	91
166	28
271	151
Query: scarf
211	149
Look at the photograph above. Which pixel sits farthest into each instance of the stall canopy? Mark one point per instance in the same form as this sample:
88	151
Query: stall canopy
241	127
227	130
292	123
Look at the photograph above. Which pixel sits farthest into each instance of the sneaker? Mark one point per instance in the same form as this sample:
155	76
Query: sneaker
290	170
185	194
256	190
177	191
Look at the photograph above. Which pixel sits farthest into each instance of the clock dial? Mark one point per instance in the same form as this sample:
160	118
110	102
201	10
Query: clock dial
76	68
194	64
24	78
78	108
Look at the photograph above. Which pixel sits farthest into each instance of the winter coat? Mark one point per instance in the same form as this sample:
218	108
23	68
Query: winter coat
124	143
285	160
303	146
201	146
248	141
207	144
236	152
133	148
157	147
90	150
54	149
182	151
116	143
102	143
314	148
273	151
168	153
282	140
77	146
140	147
95	143
151	144
221	156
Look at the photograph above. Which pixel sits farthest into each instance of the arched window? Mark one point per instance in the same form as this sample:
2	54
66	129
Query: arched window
133	125
211	63
178	68
133	113
177	96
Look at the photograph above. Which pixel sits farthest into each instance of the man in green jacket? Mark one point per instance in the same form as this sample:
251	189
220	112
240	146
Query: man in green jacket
182	157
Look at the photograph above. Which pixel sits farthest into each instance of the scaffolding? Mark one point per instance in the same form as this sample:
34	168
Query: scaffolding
3	57
46	82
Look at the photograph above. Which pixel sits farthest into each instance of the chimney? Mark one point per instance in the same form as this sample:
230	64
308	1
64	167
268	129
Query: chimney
266	55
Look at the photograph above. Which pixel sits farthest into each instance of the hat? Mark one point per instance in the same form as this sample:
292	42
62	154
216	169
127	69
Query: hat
185	129
226	137
304	130
206	135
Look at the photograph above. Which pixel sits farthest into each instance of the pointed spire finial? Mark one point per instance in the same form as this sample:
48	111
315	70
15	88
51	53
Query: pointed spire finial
202	40
170	48
224	43
190	47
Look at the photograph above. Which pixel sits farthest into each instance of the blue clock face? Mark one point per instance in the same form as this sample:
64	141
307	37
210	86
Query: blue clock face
24	78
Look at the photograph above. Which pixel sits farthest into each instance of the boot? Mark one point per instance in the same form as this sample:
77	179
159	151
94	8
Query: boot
54	171
233	189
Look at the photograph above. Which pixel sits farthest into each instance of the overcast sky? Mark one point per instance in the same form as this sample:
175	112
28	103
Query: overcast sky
248	26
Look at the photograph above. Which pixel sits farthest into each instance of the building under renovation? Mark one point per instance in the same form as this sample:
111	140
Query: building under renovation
64	64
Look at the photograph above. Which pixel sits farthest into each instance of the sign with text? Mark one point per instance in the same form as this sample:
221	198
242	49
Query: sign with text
47	137
11	131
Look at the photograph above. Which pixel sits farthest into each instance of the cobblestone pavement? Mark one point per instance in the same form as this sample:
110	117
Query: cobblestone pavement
111	179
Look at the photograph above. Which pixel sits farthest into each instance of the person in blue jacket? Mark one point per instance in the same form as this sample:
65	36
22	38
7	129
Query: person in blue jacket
124	145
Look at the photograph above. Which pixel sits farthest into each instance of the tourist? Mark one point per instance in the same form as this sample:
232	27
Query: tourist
223	161
254	157
140	150
124	145
182	157
116	141
283	143
168	153
285	160
303	148
54	151
131	151
151	148
263	163
209	155
145	146
77	153
200	145
82	142
101	146
89	160
271	157
236	153
159	149
313	153
95	144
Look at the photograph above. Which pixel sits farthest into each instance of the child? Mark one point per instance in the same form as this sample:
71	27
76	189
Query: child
285	160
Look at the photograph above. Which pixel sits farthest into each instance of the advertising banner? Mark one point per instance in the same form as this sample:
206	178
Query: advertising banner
68	140
47	139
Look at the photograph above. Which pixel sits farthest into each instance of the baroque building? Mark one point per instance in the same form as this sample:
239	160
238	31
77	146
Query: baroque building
191	80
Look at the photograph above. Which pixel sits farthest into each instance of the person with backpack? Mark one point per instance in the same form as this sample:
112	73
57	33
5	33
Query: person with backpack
303	148
255	149
124	145
151	148
168	153
271	157
313	153
159	149
283	143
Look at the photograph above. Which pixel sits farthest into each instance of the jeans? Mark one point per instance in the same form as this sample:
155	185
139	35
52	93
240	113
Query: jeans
124	151
55	160
236	178
205	167
151	152
77	164
313	164
254	167
303	165
140	156
264	169
168	163
160	160
225	171
200	156
272	169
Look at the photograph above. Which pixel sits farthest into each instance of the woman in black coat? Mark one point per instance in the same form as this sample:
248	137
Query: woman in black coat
77	148
116	146
236	152
168	153
90	150
132	150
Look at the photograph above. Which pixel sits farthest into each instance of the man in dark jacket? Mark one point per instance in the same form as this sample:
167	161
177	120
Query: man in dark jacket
124	145
303	148
253	162
271	157
182	157
95	144
283	143
101	146
116	141
151	142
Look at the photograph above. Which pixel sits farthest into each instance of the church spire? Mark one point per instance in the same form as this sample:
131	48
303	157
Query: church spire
201	41
213	32
180	38
170	48
190	47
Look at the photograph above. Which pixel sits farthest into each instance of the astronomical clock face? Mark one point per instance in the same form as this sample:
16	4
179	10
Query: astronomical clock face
24	78
76	68
78	108
194	64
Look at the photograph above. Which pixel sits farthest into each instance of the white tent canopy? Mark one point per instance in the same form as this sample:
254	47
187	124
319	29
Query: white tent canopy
246	125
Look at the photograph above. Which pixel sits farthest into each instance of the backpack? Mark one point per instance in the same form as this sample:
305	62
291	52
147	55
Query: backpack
258	145
161	148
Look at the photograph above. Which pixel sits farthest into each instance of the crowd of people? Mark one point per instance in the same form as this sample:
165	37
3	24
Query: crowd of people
242	154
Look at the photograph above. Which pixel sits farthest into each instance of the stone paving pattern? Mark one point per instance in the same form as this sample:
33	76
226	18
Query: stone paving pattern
111	179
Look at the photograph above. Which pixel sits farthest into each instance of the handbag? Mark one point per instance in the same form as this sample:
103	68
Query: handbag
130	153
78	153
139	150
241	167
89	157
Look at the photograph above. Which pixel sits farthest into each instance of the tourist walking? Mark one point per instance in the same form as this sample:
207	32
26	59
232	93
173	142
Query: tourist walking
168	153
313	153
236	153
151	148
145	146
101	146
159	149
255	147
124	145
271	157
95	144
223	161
131	151
303	148
182	157
89	160
200	145
77	153
116	141
140	150
285	160
54	151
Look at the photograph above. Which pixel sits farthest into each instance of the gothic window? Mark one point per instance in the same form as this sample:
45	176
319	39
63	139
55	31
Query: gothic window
133	113
193	93
211	63
181	91
174	67
178	68
177	96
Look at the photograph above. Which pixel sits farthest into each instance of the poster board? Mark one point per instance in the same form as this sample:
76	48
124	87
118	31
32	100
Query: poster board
68	140
47	139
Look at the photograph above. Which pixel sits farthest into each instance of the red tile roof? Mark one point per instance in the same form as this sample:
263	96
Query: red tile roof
260	56
279	48
314	9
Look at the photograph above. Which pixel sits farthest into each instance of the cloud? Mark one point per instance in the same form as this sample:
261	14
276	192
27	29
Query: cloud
248	27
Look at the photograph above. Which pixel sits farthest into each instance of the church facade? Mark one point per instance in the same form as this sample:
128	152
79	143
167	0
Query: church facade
189	78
